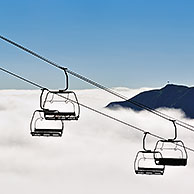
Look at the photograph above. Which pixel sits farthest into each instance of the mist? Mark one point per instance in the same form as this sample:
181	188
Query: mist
94	155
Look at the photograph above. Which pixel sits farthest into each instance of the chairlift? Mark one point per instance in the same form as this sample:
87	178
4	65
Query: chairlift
145	163
59	105
173	151
39	126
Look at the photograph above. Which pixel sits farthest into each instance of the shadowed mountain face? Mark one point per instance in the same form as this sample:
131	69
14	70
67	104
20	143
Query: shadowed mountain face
171	96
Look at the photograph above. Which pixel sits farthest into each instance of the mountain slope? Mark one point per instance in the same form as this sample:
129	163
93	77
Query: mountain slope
171	96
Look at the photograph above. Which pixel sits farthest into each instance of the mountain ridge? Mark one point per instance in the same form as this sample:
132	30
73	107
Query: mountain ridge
170	96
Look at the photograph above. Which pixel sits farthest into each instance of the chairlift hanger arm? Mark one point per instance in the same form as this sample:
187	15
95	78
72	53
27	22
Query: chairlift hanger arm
144	138
67	80
175	131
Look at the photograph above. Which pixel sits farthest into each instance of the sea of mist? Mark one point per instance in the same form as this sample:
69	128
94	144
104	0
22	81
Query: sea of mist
94	155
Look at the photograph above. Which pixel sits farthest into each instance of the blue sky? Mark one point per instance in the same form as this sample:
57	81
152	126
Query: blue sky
139	43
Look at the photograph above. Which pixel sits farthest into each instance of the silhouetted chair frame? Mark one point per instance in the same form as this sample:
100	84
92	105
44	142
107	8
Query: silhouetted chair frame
147	155
50	114
177	146
47	132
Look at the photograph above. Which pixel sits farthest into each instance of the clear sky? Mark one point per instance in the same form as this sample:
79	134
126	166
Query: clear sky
129	43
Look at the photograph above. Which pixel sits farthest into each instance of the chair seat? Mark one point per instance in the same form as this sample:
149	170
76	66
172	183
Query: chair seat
56	115
149	171
47	132
55	112
60	115
171	161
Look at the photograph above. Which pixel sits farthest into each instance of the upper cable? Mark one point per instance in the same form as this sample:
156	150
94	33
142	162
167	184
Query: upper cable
156	112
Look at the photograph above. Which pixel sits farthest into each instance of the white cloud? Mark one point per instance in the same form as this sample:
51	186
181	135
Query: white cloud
94	155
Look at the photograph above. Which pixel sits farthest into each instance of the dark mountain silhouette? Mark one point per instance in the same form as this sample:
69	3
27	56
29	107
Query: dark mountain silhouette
171	96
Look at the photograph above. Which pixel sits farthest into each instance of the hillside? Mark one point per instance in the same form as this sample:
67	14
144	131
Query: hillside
170	96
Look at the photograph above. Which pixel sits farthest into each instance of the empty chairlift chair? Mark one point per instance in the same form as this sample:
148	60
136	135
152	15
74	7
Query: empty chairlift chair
39	126
59	105
145	163
173	152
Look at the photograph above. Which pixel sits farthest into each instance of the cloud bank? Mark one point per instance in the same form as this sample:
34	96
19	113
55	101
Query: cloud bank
94	155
